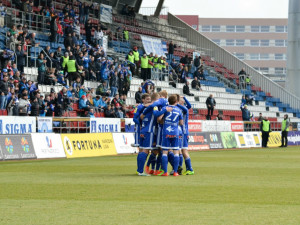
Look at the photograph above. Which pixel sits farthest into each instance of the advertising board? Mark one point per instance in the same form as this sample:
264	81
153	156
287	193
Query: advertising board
215	140
198	141
105	125
17	124
123	143
228	140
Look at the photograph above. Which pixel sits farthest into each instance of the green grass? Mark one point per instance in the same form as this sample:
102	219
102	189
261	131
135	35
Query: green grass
229	187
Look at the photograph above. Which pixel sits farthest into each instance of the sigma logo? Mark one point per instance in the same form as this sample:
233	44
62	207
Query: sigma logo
93	126
68	145
49	142
125	140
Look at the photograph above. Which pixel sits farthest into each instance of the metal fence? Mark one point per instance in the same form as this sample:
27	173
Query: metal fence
231	62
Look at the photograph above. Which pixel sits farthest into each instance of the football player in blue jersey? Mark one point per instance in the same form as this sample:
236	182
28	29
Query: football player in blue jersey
146	99
148	141
171	121
185	135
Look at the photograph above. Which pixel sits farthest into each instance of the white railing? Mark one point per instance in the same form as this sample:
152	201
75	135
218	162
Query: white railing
232	62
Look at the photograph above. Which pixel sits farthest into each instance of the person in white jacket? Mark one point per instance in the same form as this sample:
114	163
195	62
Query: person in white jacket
98	36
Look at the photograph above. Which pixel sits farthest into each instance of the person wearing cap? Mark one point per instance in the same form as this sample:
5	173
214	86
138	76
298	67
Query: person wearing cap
4	89
284	131
265	128
64	60
144	67
82	103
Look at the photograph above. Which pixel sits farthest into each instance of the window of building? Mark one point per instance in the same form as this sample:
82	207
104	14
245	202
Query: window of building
240	42
279	29
265	29
279	70
286	29
264	42
240	56
230	42
217	41
264	56
279	42
216	28
206	28
240	28
194	26
279	56
230	28
254	28
264	69
285	43
254	56
256	68
254	42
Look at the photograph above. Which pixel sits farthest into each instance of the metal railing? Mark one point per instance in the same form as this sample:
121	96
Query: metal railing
149	11
231	62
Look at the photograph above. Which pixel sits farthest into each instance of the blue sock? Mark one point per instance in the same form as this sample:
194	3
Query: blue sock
171	158
164	162
138	159
188	164
176	162
180	160
153	162
150	159
142	160
158	161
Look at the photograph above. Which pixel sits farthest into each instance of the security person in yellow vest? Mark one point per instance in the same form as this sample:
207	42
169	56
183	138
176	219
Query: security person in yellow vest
136	55
65	59
71	68
130	58
248	80
144	67
150	65
126	34
284	131
265	128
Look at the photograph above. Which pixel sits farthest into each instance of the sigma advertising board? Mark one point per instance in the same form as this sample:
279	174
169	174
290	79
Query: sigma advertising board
17	147
48	145
17	125
198	141
105	125
123	143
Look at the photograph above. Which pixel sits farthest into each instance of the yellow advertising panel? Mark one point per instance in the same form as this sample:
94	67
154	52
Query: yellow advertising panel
88	144
274	139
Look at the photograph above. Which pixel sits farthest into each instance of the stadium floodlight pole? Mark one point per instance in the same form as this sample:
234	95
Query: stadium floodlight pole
293	53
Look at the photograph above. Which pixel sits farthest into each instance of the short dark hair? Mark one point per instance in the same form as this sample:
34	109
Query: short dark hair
144	96
172	99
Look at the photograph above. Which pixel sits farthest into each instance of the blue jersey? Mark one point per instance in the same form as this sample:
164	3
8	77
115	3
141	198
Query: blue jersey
137	112
171	121
149	122
185	112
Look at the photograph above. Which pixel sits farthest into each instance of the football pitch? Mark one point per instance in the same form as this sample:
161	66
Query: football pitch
260	186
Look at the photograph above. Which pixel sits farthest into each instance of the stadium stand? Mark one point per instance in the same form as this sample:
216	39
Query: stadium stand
220	81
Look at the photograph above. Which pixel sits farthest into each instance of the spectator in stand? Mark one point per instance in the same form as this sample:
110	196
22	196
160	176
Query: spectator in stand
125	10
136	55
130	59
114	84
53	28
242	75
35	108
171	50
246	117
260	118
196	84
98	36
219	117
109	112
76	29
20	58
12	106
88	31
2	14
186	89
244	102
102	89
197	62
150	66
184	74
138	96
131	12
174	64
41	64
74	40
144	67
68	41
83	103
13	42
210	104
24	105
91	113
185	60
4	89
